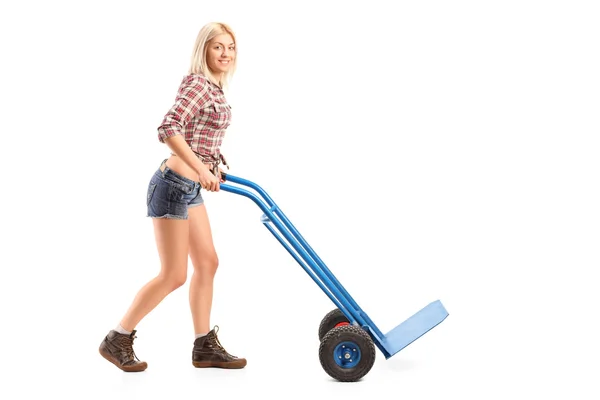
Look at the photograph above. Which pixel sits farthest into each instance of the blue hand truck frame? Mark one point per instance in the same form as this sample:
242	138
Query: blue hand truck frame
284	231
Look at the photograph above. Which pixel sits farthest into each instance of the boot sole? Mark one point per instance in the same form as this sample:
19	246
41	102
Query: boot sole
107	356
226	365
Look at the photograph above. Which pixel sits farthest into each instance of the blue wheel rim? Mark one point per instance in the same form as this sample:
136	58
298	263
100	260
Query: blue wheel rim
346	354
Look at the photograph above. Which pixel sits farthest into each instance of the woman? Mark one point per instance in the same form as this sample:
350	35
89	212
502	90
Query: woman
193	129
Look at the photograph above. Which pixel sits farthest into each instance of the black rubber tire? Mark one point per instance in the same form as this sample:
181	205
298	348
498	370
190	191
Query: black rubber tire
360	338
330	320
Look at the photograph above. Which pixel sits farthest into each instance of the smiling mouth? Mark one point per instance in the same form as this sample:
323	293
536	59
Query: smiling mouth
224	62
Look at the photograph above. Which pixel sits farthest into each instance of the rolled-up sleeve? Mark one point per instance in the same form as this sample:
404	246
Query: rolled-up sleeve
191	97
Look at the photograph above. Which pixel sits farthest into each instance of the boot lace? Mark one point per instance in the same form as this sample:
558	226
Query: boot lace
214	340
127	347
215	343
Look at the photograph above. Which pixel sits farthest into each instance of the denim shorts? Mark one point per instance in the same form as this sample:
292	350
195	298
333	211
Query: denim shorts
171	194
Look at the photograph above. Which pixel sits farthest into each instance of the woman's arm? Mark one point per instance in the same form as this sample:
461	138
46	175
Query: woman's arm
191	97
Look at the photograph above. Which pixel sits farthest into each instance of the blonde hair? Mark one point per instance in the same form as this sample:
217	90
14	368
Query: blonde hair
198	62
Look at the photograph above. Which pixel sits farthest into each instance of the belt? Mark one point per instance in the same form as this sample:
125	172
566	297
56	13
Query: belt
214	165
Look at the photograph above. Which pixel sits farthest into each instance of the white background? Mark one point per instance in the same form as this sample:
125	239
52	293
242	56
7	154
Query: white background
429	150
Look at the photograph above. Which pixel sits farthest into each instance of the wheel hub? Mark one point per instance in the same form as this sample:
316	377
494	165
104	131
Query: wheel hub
347	354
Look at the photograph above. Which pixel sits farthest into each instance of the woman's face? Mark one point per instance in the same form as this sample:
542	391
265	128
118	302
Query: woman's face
220	53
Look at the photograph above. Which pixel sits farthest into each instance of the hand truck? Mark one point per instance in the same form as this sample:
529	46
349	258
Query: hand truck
347	335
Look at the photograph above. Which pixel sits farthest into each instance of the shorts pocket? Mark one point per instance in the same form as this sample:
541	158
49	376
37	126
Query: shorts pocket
178	184
150	193
180	187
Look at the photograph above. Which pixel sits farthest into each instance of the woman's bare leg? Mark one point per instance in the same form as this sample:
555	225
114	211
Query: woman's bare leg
207	351
172	242
204	258
172	237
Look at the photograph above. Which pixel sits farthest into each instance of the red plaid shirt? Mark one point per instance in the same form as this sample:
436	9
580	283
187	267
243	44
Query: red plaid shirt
201	113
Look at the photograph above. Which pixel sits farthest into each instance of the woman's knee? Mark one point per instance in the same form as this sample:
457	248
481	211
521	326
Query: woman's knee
207	266
174	280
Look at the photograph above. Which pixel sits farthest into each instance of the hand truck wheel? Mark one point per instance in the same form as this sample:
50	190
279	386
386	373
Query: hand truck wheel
333	319
347	353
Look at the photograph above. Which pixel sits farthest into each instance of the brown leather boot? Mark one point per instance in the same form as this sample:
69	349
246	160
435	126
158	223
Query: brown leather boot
118	349
208	352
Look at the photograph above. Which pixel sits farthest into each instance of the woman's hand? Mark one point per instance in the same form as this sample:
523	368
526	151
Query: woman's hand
208	180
